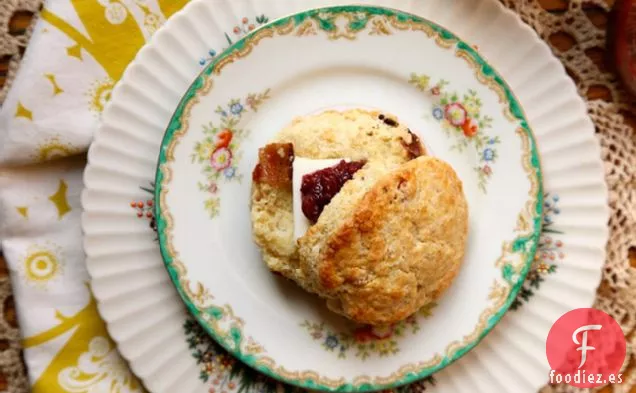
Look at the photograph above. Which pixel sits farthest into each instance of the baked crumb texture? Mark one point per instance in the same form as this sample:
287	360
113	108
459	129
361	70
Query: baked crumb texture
389	242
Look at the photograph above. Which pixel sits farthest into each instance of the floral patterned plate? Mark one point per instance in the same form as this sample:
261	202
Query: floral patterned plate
466	113
458	104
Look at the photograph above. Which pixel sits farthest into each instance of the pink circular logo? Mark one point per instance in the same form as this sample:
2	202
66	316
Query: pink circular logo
585	348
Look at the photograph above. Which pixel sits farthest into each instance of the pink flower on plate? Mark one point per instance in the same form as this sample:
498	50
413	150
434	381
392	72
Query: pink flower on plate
455	114
382	331
363	334
221	158
250	101
487	170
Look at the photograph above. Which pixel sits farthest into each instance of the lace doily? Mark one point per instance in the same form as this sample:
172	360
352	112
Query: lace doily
12	372
577	36
13	41
576	31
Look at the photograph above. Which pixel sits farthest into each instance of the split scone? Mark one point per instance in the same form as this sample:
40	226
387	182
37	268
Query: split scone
354	134
388	225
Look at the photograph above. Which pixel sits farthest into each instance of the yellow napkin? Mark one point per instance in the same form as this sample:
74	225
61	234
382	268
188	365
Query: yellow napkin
78	51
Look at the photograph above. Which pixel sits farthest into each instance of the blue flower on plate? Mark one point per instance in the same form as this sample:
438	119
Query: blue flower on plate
492	141
201	61
229	172
212	52
236	108
438	113
489	154
555	198
331	342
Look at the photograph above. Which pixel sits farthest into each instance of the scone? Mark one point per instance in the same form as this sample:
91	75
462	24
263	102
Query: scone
390	236
356	134
389	242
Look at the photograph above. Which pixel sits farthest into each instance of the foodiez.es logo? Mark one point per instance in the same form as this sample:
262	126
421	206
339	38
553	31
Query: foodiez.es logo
586	348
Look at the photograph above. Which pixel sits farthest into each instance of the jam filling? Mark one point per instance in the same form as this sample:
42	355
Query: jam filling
414	149
318	188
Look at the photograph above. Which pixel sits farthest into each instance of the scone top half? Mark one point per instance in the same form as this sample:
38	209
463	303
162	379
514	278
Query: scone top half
389	244
393	237
354	134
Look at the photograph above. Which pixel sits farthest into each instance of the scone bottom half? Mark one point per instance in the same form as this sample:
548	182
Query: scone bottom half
387	236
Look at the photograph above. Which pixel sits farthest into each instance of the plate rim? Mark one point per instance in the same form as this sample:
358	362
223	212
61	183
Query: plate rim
163	219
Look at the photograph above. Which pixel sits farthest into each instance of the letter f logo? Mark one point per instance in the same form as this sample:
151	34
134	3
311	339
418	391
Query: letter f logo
584	347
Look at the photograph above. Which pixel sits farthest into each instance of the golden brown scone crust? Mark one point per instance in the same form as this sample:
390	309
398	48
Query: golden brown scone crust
396	249
355	134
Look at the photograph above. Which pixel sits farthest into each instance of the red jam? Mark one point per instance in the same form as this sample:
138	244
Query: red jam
318	188
414	149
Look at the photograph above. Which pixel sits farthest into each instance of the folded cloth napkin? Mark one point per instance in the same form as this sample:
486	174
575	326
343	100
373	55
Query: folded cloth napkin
78	51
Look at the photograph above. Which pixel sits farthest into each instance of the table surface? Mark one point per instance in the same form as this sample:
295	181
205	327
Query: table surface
21	20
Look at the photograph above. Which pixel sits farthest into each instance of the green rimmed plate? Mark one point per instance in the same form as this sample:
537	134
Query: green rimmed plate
339	57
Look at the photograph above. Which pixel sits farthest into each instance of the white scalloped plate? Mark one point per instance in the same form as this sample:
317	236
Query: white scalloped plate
144	313
327	58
